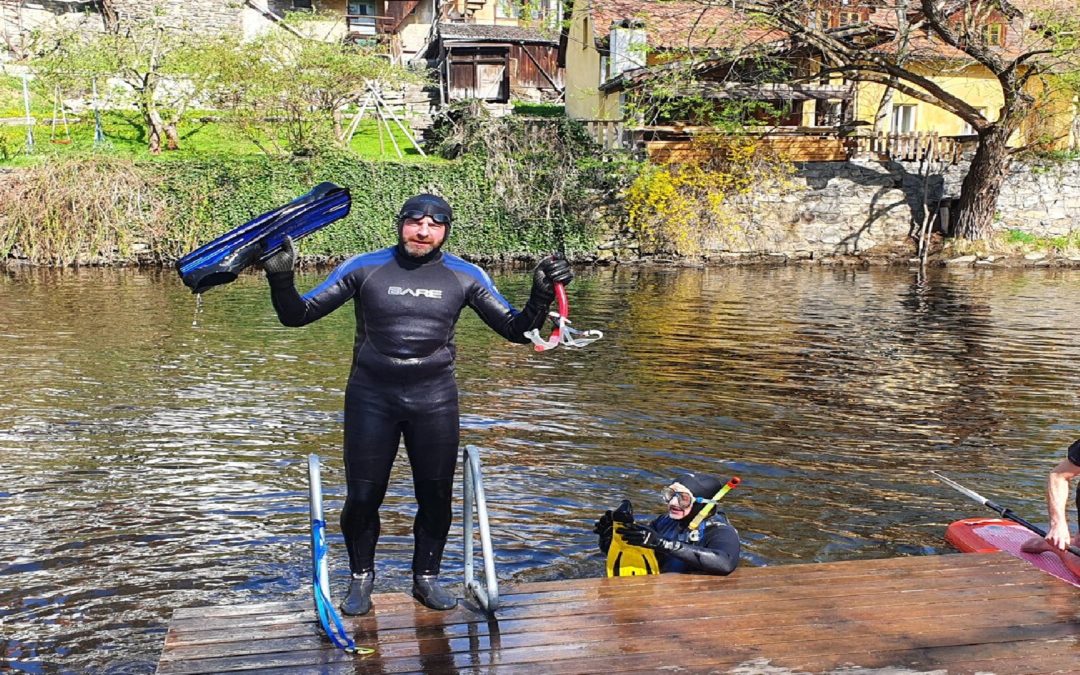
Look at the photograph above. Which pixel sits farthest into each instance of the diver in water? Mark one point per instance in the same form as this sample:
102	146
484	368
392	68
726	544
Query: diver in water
407	300
712	547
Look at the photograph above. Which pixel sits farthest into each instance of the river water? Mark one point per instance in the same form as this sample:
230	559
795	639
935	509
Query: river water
152	453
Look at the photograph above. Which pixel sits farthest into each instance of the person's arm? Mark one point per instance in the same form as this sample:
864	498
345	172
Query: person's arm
296	310
1057	497
717	553
500	315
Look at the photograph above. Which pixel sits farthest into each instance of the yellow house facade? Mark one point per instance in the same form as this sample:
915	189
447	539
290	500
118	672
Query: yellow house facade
596	30
1051	125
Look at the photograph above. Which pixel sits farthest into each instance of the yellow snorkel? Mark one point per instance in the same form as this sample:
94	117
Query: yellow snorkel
710	504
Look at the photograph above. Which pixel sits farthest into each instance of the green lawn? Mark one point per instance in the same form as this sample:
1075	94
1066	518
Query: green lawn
125	135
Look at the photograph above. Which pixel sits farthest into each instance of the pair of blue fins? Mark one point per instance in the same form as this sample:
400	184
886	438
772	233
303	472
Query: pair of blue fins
222	260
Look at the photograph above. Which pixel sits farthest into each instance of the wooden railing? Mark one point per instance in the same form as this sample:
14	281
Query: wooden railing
911	147
804	144
609	134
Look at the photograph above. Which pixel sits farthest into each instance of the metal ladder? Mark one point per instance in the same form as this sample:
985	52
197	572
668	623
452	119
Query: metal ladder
485	595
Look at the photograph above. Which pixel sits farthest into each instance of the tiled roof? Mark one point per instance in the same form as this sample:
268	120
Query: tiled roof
674	24
926	45
486	33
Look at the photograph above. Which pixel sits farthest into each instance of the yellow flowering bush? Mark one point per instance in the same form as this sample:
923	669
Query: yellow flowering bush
702	201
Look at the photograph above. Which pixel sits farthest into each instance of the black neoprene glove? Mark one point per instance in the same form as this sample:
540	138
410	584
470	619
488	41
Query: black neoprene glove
282	261
622	515
647	537
554	269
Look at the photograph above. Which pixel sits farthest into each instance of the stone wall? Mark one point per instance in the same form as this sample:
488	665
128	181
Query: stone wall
217	16
843	208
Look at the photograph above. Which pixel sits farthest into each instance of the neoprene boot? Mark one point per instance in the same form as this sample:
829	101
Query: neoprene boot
358	600
430	593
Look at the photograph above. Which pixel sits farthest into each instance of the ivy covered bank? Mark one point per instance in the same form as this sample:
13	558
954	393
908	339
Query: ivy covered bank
516	192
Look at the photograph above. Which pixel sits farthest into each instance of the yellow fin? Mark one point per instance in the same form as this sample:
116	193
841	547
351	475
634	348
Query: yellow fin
624	560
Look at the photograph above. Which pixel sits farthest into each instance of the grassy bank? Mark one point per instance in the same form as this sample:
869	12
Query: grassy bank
116	210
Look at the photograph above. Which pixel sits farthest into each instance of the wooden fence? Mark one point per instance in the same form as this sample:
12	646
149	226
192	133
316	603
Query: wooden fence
800	144
609	134
914	147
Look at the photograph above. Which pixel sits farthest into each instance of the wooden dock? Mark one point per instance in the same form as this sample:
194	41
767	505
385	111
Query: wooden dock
961	613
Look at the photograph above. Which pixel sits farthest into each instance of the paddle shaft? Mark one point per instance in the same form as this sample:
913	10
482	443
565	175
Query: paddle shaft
1003	511
704	513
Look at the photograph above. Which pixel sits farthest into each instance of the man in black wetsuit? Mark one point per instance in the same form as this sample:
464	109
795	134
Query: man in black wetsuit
713	547
407	300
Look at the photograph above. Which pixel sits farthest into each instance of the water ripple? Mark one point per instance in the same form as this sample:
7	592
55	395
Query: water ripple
149	464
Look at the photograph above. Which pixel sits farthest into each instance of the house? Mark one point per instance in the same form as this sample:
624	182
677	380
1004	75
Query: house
493	50
956	73
495	63
613	49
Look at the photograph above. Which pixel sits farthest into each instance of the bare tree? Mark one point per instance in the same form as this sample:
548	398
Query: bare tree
1030	54
165	67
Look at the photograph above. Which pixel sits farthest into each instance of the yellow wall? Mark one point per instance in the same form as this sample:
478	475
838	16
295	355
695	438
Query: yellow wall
582	76
976	86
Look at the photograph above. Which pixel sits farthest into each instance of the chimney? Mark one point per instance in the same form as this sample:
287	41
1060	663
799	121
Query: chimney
627	46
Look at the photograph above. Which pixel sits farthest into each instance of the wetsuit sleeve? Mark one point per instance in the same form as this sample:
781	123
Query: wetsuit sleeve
497	313
294	309
717	553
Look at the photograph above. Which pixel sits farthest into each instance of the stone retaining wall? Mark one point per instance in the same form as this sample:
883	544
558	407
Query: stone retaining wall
206	15
843	208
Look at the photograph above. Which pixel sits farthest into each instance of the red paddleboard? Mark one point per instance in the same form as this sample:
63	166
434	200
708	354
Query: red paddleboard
988	535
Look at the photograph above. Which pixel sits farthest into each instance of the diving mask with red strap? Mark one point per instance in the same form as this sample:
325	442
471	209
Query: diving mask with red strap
563	333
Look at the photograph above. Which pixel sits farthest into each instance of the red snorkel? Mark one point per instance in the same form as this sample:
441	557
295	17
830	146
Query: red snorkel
562	333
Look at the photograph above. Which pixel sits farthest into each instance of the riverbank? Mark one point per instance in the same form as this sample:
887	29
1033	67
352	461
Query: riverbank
109	211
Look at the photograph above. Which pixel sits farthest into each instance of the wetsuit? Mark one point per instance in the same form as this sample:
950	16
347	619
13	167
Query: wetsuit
715	552
402	380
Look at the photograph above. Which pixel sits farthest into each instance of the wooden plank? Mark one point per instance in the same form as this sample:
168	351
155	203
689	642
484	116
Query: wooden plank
524	606
599	627
910	612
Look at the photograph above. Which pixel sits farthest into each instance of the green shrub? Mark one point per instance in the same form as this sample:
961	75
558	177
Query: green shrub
82	209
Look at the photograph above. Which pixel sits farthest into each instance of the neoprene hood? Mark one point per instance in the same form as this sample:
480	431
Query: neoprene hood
429	205
700	486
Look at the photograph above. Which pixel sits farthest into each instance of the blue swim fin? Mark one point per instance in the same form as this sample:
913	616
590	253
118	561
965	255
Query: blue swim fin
222	260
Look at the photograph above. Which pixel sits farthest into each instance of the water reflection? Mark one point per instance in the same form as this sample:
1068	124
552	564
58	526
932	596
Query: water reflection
147	463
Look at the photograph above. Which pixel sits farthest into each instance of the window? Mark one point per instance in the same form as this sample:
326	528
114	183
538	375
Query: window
361	17
302	4
508	9
970	130
903	119
829	113
994	34
848	18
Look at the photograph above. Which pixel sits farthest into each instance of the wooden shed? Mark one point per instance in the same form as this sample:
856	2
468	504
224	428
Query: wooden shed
496	63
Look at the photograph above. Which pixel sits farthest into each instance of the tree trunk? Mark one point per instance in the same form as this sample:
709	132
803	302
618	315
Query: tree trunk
155	128
883	110
339	126
172	136
982	185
